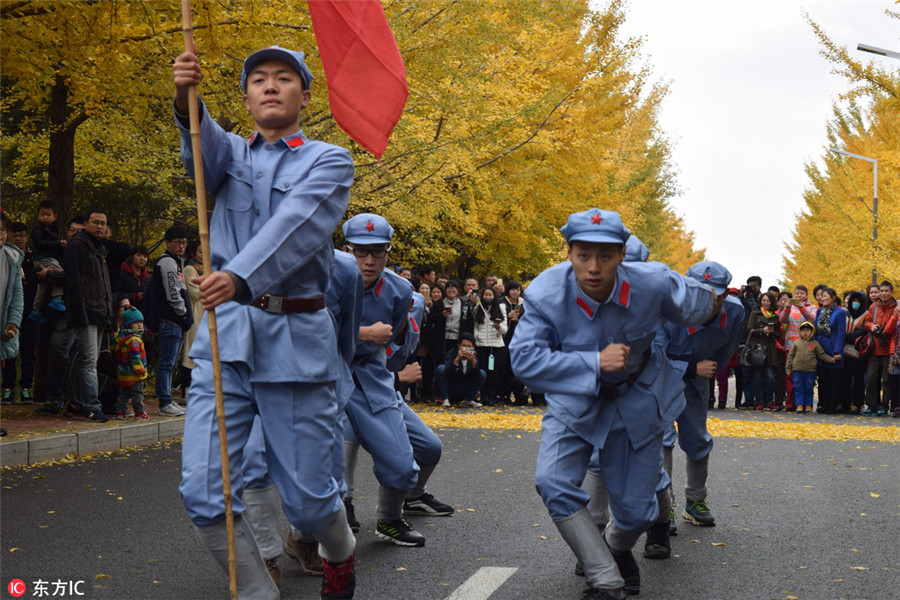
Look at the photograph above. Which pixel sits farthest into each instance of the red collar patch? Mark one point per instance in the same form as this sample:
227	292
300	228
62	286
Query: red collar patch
294	142
584	306
252	137
412	322
378	287
692	330
623	295
723	320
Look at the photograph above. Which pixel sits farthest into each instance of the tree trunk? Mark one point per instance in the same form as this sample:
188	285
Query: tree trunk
63	125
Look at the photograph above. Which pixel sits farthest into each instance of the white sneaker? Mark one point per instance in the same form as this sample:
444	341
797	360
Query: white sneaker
471	404
171	410
446	404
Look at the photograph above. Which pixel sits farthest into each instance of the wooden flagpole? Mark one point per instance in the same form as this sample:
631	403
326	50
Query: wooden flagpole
203	227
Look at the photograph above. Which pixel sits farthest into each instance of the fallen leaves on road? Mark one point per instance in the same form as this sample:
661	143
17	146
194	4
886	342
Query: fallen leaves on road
529	419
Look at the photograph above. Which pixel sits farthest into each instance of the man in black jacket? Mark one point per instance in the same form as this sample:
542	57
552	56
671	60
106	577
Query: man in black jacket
175	316
459	377
89	308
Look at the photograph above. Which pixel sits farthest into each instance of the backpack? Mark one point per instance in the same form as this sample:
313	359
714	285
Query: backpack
151	306
864	344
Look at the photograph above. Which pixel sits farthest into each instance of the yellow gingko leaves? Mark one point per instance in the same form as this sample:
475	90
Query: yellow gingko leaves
519	113
530	420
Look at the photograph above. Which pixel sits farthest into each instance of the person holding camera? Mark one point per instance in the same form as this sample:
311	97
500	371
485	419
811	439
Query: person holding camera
878	381
491	324
459	376
750	294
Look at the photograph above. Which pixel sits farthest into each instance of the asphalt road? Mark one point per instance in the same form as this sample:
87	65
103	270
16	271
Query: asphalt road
810	520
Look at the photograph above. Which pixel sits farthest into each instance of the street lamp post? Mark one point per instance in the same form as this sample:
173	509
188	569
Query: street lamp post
877	50
874	206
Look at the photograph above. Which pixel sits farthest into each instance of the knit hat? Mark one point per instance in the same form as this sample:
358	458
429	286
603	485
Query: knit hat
130	316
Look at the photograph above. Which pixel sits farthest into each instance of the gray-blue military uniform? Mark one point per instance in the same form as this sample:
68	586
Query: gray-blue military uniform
344	301
715	340
555	350
427	446
277	204
671	405
373	412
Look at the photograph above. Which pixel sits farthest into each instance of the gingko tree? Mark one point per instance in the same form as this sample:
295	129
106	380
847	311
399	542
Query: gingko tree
519	114
833	238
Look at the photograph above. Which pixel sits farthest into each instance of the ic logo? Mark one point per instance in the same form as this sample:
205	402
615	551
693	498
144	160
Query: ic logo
16	588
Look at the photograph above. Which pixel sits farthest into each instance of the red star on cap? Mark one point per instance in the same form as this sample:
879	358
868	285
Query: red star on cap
370	226
707	276
595	219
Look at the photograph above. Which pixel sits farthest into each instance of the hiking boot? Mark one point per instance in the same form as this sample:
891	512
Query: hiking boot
657	545
274	571
400	532
171	410
351	515
426	506
25	396
698	514
339	582
306	553
597	594
630	572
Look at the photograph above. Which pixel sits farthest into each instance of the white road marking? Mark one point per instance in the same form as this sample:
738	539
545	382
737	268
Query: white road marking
482	584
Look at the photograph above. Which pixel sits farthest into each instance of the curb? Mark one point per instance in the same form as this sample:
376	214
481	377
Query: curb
55	446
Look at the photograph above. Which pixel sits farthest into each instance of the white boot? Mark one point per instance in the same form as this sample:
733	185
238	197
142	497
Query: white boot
253	581
581	534
262	512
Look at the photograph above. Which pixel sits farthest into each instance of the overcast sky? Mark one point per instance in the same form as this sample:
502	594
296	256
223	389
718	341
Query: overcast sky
749	104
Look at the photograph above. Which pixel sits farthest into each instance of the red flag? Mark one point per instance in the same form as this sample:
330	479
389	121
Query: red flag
363	67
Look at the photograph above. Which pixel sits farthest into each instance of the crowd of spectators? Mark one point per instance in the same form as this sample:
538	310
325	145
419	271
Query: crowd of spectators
63	312
68	346
464	342
852	346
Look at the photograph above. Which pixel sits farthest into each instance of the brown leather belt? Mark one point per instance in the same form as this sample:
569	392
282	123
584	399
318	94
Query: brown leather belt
282	304
610	391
